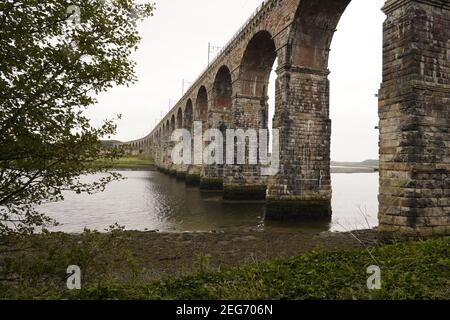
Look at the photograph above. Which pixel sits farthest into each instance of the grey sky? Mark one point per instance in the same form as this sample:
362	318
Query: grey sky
175	47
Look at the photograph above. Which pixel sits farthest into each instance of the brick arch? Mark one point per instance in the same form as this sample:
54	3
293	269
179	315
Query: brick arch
256	64
313	29
201	104
222	89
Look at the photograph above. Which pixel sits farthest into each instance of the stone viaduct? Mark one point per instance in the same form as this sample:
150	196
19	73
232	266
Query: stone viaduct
414	112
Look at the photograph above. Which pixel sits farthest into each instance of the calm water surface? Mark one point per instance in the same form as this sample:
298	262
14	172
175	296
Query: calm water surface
153	201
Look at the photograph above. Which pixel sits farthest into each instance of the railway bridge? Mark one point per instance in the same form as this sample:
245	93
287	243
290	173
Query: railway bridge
414	112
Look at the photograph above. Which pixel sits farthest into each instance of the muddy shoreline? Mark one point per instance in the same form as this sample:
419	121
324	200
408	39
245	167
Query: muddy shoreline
175	254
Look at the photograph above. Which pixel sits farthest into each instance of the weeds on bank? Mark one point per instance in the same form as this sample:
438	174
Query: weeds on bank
37	267
409	270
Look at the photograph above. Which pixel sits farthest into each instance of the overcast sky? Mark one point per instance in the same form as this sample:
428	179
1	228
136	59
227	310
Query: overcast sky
175	47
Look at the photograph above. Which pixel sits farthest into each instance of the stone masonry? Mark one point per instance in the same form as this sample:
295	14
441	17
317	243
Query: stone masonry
414	112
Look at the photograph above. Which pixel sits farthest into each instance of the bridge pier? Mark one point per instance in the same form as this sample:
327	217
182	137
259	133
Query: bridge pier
302	187
212	175
414	110
244	182
181	172
193	175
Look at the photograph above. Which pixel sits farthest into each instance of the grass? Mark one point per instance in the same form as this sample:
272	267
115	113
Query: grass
128	162
409	270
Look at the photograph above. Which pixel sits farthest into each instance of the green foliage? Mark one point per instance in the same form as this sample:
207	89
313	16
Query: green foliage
409	270
53	64
37	269
201	263
127	162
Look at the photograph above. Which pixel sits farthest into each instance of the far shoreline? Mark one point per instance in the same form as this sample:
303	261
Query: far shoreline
334	170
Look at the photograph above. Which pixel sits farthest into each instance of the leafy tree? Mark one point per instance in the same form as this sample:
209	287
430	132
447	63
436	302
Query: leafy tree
55	57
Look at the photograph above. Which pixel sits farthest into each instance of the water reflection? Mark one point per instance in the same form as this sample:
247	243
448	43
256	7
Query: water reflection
153	201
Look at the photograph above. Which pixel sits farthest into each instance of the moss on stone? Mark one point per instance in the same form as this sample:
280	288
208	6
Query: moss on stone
211	184
245	192
192	179
287	209
181	175
172	173
163	170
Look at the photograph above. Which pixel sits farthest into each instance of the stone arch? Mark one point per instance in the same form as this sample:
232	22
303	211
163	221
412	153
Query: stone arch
256	64
250	111
314	26
167	133
305	142
188	115
223	89
179	119
172	124
201	104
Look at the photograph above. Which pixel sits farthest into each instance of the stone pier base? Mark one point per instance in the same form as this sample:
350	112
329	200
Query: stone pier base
193	176
211	184
193	179
181	175
250	193
298	208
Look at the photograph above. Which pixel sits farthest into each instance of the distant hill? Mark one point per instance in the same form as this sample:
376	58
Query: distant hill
366	163
355	167
374	163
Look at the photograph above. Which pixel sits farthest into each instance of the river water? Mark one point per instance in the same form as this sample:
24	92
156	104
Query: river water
148	200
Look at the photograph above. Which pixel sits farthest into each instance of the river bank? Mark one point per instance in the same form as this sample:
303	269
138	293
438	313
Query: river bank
145	163
121	264
136	163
